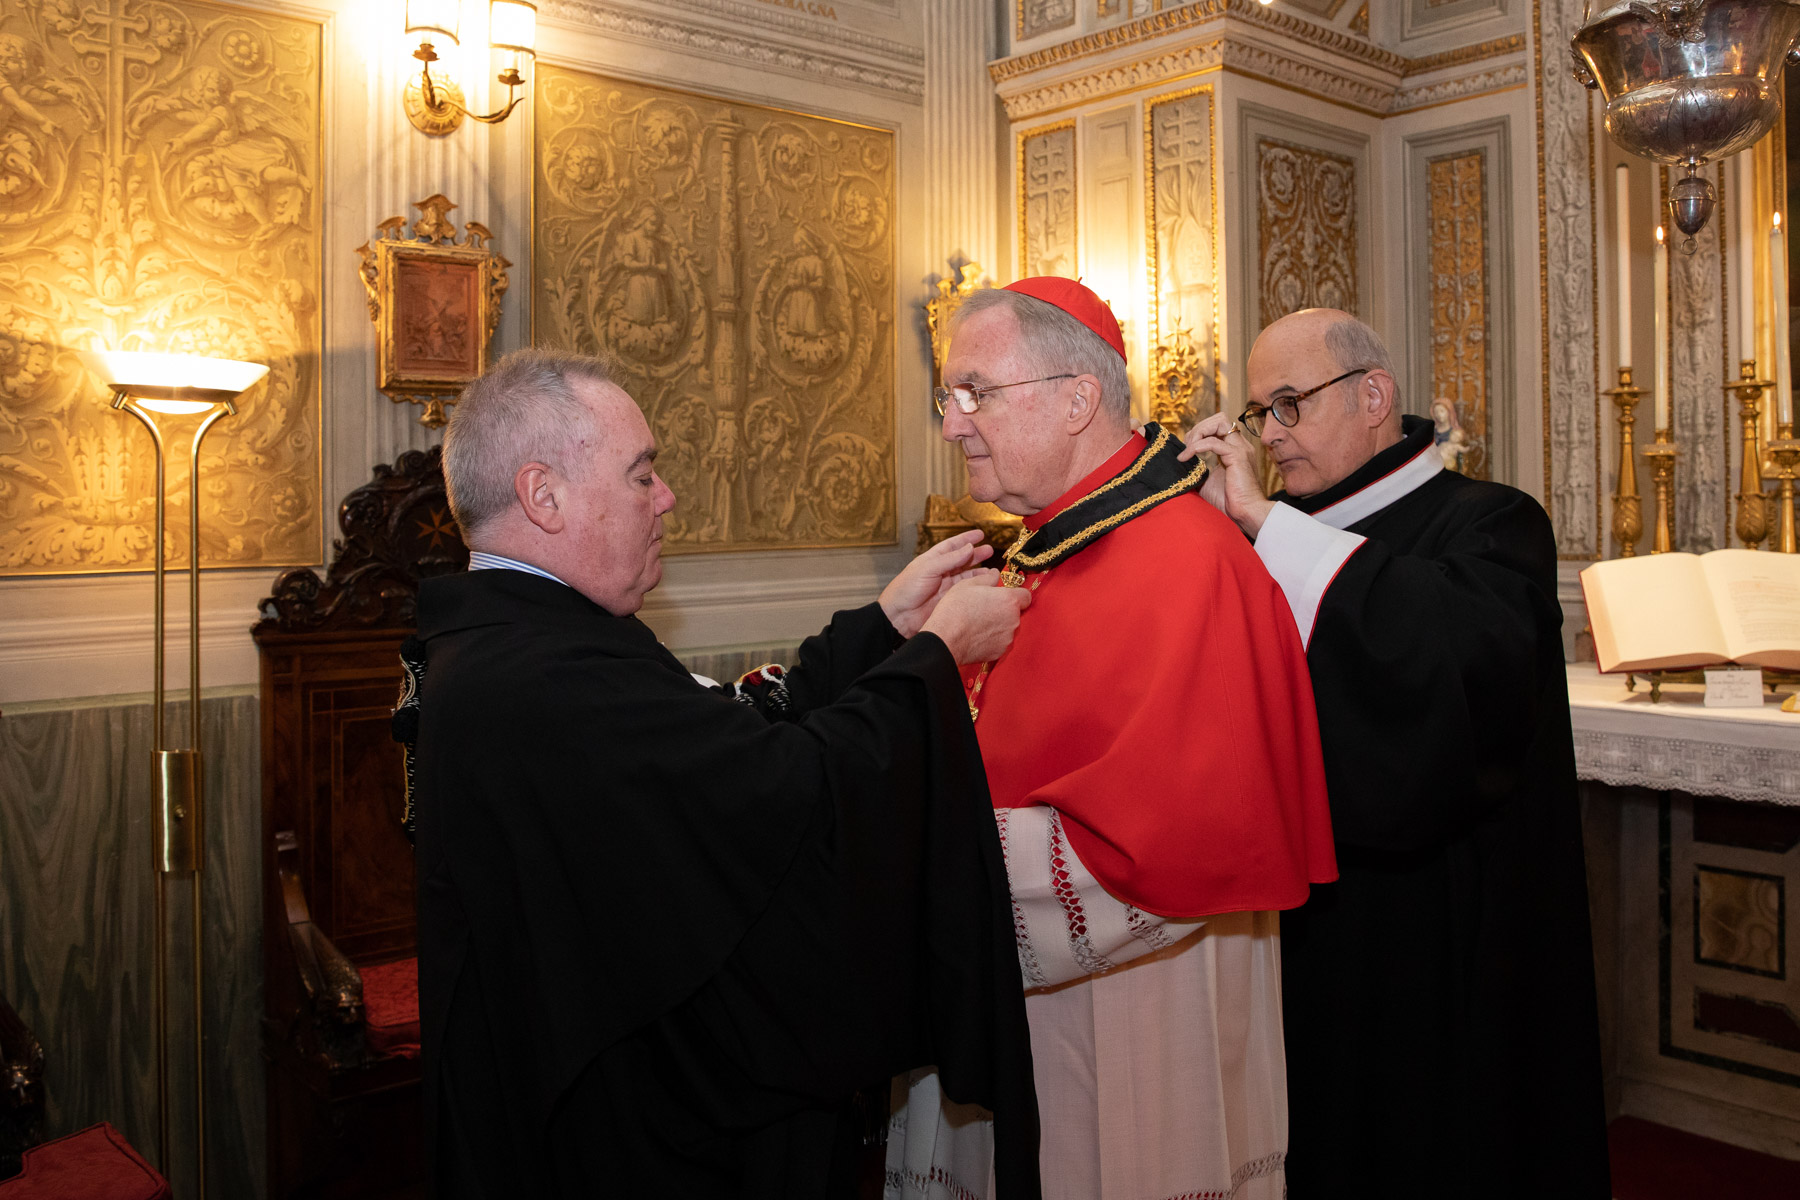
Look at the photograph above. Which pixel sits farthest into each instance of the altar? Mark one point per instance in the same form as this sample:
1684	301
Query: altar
1691	818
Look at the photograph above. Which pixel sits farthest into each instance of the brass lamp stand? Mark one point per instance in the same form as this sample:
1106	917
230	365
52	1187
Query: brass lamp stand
1752	513
1785	450
177	386
1627	519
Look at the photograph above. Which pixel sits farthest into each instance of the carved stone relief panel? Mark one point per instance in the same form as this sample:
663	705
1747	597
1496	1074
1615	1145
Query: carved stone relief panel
739	262
1566	265
1043	16
1459	295
1182	211
1047	183
1459	300
1305	229
159	170
1697	368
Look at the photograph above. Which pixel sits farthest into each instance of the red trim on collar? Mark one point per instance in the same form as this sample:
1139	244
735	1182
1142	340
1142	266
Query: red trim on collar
1389	474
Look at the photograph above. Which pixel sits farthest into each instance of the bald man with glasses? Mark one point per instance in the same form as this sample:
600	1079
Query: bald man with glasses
1442	1035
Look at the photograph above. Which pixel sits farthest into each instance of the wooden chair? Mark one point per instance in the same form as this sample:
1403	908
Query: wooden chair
338	904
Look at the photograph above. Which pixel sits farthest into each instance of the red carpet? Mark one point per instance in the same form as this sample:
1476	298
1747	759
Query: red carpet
1654	1162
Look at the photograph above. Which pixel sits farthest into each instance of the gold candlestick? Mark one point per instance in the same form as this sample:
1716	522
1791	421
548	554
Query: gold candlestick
1785	450
1627	519
1752	513
1662	470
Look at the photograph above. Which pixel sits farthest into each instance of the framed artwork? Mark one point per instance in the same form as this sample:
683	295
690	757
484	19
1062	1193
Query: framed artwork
435	302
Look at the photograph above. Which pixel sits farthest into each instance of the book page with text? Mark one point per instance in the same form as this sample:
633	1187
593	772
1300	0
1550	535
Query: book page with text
1757	593
1653	612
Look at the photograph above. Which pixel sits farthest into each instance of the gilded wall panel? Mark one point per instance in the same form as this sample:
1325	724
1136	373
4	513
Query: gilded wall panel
1457	198
159	170
739	261
1697	367
1306	229
1047	212
1567	266
1183	224
1042	16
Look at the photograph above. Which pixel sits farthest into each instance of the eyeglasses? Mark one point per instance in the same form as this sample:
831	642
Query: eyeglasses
969	399
1287	408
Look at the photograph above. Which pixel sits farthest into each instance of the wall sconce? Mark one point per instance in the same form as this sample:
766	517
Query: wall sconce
177	386
435	106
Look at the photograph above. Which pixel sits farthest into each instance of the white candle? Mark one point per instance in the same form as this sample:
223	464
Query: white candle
1784	384
1660	283
1746	240
1622	206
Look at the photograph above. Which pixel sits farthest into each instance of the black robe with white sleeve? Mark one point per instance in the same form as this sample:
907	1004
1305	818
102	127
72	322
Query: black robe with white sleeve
1439	999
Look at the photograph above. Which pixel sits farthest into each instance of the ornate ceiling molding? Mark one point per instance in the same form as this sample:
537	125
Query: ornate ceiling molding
1236	35
1242	36
891	67
1196	16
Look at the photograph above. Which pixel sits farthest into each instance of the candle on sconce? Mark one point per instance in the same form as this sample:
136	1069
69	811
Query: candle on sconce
1622	206
1784	383
1746	253
1660	285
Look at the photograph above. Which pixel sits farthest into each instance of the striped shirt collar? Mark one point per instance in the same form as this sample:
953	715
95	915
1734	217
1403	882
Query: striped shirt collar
481	560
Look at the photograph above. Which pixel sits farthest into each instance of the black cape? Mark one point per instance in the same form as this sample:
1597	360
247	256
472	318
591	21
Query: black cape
665	935
1442	1037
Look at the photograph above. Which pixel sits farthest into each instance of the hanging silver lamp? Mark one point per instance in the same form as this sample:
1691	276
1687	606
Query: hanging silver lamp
1687	82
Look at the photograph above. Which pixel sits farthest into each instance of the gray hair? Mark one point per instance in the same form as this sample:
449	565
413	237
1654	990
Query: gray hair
523	410
1057	343
1355	346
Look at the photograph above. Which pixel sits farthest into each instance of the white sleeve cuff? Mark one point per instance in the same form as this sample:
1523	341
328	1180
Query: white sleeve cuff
1304	555
1066	924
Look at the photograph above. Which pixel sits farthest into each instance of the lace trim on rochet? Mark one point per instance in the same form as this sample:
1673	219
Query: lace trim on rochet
1062	883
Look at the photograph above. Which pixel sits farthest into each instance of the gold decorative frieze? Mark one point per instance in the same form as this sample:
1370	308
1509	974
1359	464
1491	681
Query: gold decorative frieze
1456	196
1359	23
159	190
1047	180
1181	219
1306	229
739	263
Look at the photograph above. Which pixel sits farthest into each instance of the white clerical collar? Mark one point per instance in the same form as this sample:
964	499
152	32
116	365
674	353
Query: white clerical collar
1377	494
481	560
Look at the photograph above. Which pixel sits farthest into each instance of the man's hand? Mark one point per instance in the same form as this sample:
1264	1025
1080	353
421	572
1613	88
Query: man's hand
1234	487
915	591
977	620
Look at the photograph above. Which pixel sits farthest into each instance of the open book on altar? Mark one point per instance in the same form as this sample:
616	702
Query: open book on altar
1671	611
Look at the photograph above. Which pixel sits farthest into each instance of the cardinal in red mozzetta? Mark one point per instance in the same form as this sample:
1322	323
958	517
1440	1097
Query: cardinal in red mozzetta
1153	756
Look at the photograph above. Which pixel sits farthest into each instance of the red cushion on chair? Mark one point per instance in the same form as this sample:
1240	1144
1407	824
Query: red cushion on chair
391	1007
96	1162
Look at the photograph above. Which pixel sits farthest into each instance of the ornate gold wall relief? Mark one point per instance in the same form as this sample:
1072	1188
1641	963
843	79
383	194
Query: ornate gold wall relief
739	262
1047	183
1457	195
158	191
1182	223
1306	229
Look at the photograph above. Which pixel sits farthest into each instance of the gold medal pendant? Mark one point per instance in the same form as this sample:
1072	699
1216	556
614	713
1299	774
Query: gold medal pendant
1011	576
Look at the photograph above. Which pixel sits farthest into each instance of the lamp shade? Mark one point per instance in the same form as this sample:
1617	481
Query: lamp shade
174	383
512	25
434	16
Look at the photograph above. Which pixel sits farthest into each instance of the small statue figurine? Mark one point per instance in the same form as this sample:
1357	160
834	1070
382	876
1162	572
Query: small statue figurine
1447	433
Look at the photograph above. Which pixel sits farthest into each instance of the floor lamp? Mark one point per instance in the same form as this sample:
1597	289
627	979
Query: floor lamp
177	387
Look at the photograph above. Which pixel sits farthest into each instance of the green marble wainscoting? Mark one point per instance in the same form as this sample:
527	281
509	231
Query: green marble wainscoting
77	917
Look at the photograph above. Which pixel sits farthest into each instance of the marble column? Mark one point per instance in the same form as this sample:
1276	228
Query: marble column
965	169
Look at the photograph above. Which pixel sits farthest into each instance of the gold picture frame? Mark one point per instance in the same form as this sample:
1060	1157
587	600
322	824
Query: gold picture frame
435	302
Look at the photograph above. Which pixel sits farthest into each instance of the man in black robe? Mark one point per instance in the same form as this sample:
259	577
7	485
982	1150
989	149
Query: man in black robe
667	931
1439	998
